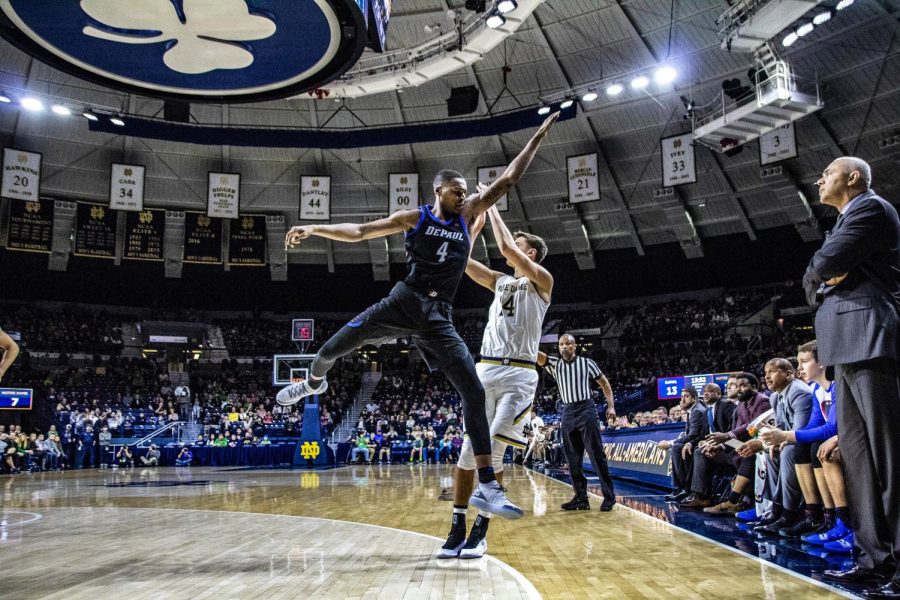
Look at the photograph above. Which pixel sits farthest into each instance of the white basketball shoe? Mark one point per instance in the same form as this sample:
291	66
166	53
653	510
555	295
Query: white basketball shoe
491	497
292	394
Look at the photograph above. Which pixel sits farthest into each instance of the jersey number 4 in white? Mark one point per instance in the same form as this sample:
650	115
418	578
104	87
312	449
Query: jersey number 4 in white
509	307
442	252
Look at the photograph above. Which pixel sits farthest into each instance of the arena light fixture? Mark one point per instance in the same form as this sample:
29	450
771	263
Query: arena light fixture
789	39
544	110
507	6
665	75
117	121
639	82
822	17
90	115
590	96
4	98
843	4
63	111
567	103
614	89
32	104
495	21
804	29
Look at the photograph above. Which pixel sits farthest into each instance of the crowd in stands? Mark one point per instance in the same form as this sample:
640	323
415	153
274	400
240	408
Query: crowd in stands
265	337
67	330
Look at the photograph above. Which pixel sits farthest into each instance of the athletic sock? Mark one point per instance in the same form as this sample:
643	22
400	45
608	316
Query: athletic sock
735	497
829	513
814	511
842	513
481	524
486	475
459	518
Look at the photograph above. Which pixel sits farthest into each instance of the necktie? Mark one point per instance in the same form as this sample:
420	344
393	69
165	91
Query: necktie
710	418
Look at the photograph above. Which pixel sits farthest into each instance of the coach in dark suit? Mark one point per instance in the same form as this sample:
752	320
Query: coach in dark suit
696	428
856	277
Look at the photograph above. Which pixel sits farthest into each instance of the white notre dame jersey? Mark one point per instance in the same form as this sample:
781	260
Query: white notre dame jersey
515	320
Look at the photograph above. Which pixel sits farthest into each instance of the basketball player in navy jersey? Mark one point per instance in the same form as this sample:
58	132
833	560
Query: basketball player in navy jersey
437	252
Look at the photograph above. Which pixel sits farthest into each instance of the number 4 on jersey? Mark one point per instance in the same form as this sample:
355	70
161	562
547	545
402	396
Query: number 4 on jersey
509	307
442	252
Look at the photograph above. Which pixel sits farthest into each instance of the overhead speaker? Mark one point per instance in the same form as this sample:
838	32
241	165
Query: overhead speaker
462	100
177	112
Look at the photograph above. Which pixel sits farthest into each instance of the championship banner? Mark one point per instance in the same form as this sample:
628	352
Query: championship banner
21	174
247	242
224	198
778	145
403	191
30	225
315	198
583	177
144	233
678	165
126	187
95	231
202	239
487	176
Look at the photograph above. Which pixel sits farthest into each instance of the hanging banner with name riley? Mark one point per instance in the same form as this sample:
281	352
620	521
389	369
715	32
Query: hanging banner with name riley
144	233
95	231
247	241
30	225
126	187
487	176
404	191
21	174
202	239
778	145
583	177
678	165
315	198
224	199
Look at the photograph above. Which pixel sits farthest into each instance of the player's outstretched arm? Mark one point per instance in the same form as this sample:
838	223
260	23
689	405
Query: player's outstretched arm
481	275
354	232
537	274
478	203
10	351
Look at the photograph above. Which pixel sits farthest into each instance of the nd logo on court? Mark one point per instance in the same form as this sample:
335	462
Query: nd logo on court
310	450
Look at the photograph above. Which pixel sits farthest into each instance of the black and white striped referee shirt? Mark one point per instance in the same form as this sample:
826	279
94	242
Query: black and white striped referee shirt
573	378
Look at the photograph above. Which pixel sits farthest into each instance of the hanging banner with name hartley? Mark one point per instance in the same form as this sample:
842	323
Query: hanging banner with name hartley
315	198
21	174
583	177
30	225
404	191
247	241
224	195
144	233
95	231
202	239
778	145
126	187
487	176
678	165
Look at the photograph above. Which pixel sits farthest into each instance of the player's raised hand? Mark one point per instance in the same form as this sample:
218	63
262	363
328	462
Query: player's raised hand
295	235
548	122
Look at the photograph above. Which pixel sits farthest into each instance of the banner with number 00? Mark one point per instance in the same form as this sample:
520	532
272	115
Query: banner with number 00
404	191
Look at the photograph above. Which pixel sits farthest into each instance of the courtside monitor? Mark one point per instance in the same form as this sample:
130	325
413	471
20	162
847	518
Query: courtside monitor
16	398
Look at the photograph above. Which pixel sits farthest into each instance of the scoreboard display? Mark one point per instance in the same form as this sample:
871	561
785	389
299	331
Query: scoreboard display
15	399
303	330
669	388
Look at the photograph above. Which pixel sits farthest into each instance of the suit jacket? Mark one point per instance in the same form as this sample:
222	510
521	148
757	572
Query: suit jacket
723	413
745	413
696	427
793	405
858	318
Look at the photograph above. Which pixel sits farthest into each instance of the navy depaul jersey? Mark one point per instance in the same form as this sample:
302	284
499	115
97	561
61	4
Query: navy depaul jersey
437	253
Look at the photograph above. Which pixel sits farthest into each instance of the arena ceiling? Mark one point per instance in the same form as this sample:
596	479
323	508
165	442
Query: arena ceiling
565	44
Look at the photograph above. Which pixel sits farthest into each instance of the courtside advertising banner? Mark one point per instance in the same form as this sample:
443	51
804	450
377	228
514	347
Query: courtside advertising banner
21	174
487	176
678	160
404	191
126	187
224	195
584	180
315	198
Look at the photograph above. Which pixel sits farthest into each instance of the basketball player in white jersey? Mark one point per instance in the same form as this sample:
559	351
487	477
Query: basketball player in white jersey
506	369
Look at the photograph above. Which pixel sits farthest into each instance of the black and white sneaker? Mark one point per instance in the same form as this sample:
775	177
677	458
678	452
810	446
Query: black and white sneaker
476	545
454	544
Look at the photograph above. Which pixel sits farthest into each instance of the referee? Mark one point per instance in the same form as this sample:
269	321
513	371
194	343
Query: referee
580	421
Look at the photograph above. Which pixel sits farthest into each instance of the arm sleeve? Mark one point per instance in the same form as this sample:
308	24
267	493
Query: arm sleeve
826	430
